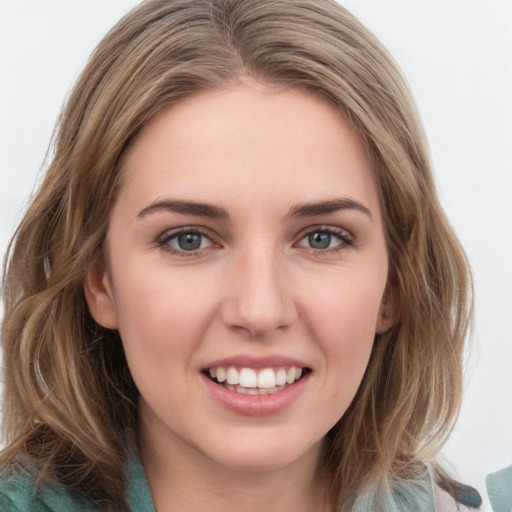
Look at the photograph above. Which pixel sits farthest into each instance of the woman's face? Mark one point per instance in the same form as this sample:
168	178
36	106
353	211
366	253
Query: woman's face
246	243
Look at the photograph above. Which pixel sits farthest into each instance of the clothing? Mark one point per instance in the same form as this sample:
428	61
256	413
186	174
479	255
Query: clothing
17	495
443	502
499	488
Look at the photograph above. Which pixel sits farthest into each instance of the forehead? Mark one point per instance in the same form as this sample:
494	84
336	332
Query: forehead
249	142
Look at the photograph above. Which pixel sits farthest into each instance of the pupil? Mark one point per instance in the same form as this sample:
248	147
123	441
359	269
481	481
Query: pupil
189	242
320	240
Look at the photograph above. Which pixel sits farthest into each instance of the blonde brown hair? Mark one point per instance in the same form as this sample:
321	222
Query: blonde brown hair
69	400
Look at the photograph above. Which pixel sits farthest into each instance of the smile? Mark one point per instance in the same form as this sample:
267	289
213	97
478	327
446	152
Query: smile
250	381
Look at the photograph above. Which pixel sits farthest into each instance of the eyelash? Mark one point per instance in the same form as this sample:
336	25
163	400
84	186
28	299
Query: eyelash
346	240
342	235
164	239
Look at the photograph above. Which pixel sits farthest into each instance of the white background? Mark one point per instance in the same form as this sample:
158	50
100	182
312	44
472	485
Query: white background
457	56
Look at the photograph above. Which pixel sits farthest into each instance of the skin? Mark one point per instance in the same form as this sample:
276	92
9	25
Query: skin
255	288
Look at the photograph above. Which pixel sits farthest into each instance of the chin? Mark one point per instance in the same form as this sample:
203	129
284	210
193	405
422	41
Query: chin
264	453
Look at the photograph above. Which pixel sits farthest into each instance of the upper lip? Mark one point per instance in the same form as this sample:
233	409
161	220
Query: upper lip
247	361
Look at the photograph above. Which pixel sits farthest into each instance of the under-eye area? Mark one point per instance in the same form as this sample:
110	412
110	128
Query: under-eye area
255	382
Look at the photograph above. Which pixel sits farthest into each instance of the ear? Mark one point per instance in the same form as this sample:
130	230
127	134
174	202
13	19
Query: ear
388	309
99	297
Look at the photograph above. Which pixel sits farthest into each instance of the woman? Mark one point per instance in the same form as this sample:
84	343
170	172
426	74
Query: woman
235	286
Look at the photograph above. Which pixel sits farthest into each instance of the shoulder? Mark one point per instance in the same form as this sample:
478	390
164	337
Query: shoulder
434	491
18	493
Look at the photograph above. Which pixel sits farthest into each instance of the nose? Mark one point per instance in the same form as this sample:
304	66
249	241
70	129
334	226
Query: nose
258	295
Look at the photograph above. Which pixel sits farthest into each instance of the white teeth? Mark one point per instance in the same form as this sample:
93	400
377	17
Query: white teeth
267	379
248	380
221	374
290	376
253	391
232	376
281	377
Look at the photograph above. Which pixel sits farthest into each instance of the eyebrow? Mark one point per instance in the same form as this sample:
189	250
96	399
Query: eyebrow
215	212
185	208
326	207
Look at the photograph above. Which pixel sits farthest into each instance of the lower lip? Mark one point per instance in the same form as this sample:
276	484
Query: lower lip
256	405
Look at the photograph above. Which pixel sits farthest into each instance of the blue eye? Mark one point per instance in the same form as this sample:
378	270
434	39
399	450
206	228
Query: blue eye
325	239
185	241
189	241
320	240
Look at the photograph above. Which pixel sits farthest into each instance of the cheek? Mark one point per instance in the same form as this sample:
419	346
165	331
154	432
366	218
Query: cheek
343	320
161	313
346	309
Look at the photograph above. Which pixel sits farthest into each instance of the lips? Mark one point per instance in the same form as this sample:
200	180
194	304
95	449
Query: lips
256	387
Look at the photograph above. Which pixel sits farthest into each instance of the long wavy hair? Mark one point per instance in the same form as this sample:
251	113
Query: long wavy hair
70	404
